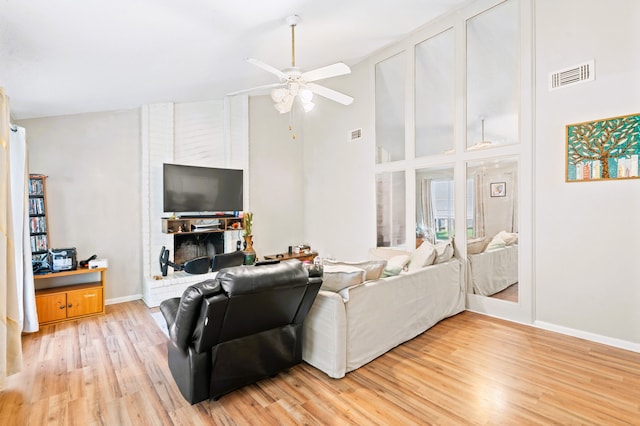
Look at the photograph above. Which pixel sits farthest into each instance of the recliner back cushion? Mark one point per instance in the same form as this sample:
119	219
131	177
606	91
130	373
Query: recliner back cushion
261	297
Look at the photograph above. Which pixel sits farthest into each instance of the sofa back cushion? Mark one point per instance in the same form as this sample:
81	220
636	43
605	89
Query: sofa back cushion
337	277
424	255
373	268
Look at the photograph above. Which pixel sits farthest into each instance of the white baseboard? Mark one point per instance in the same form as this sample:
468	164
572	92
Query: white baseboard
593	337
122	299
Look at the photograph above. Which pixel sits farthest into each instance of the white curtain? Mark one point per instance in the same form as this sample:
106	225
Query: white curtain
12	262
428	216
19	177
478	205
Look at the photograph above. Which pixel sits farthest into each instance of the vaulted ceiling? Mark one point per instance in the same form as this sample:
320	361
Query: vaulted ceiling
66	57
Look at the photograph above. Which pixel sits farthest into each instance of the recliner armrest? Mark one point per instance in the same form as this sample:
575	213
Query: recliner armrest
181	331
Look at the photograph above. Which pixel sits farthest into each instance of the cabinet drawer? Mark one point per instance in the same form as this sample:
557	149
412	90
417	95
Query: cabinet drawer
84	302
51	307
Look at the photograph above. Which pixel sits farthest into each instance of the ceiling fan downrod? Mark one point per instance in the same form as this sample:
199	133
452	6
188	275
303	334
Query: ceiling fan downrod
292	21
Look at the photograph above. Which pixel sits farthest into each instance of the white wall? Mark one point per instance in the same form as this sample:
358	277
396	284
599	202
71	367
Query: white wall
277	178
340	209
93	189
586	275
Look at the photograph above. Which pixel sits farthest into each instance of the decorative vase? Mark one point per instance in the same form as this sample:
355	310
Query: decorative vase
249	252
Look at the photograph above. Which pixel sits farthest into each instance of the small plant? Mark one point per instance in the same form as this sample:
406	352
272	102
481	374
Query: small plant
248	223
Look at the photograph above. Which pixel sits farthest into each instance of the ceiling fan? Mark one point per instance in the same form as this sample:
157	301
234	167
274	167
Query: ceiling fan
295	84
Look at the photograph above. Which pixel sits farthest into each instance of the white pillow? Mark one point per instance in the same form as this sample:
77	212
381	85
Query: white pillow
424	255
444	252
395	265
373	268
477	245
508	237
337	277
495	244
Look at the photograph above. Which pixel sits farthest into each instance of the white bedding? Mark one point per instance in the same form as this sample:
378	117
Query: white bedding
346	330
493	271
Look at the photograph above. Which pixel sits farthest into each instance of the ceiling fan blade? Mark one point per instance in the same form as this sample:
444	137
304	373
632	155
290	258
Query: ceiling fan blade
257	90
330	94
329	71
267	68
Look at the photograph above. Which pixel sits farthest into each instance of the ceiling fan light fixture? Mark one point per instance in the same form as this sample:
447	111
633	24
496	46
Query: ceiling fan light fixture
278	94
305	95
284	105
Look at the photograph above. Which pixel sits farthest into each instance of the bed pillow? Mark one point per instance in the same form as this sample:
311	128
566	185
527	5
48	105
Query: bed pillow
509	238
337	277
477	245
372	268
444	252
424	255
495	244
395	265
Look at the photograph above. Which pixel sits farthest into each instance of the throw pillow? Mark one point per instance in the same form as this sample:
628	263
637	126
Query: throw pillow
424	255
395	265
373	268
337	277
444	252
477	245
392	270
495	244
509	238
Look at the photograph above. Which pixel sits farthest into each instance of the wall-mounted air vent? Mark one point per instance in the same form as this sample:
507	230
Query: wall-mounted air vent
355	135
572	75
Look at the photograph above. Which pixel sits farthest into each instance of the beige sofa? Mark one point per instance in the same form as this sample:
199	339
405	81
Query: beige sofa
348	328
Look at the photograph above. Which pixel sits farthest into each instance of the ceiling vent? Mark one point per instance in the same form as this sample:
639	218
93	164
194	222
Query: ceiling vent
355	135
573	75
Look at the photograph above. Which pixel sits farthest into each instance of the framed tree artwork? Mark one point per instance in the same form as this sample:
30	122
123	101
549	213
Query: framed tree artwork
603	149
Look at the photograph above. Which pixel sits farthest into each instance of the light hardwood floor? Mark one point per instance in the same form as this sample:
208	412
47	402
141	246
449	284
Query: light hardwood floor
469	369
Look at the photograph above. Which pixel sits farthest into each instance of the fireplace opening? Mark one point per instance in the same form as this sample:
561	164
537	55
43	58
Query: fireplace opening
189	246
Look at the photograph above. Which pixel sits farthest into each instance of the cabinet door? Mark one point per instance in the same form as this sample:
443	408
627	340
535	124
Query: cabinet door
84	302
51	307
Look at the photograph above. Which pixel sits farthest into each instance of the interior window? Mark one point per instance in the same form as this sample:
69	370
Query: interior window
435	94
435	204
390	88
390	208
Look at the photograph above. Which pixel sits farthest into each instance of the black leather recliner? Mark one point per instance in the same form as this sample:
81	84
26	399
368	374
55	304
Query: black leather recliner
242	326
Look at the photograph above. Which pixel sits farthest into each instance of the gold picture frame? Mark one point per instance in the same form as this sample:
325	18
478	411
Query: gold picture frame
603	149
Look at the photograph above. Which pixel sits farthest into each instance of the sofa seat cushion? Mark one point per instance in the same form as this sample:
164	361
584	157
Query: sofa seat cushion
338	277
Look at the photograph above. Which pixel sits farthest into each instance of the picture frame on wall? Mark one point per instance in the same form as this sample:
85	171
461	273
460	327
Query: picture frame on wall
604	149
498	189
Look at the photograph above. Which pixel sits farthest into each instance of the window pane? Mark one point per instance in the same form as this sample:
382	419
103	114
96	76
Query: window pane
390	206
493	76
435	94
435	204
390	82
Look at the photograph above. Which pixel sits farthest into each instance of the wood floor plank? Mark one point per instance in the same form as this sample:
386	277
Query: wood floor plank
466	370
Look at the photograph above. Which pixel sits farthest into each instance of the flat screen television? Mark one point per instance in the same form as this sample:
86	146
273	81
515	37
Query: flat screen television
193	189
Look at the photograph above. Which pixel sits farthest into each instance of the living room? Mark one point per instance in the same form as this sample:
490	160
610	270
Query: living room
319	188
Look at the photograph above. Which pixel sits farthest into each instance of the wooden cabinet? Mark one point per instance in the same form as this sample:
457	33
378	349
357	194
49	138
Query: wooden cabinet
302	257
71	301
